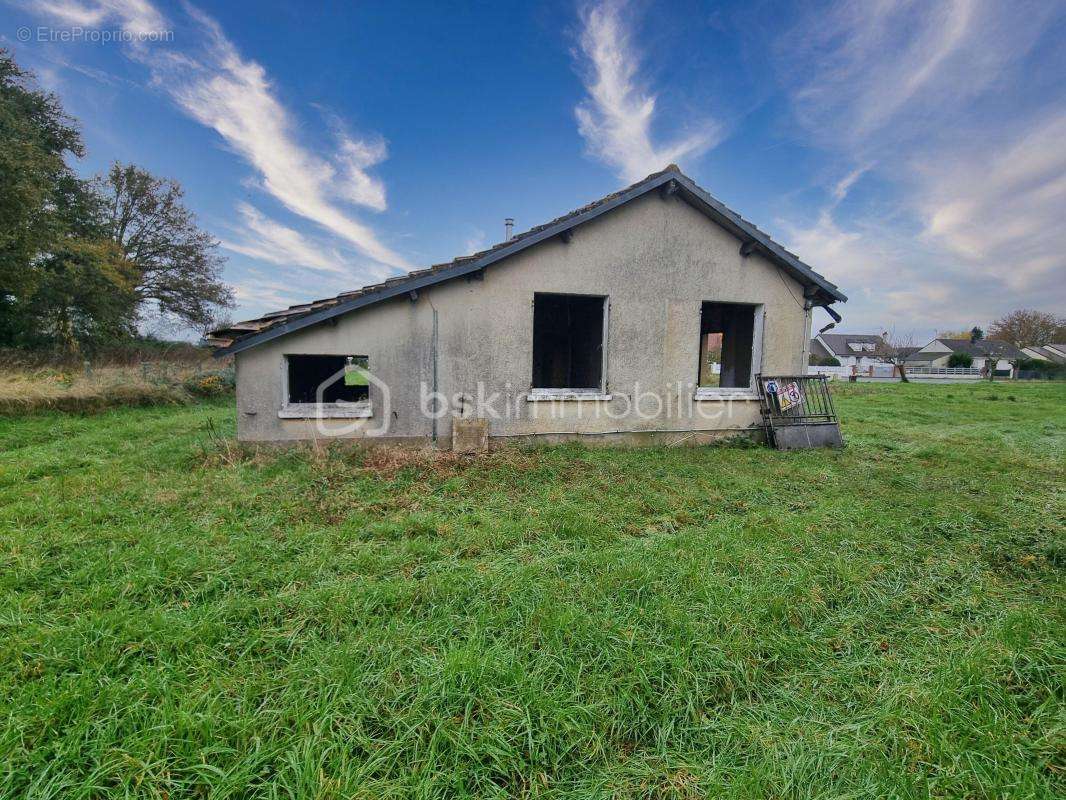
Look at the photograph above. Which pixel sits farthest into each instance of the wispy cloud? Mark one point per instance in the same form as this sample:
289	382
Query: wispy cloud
931	99
616	118
235	97
212	83
268	240
866	75
1002	210
355	157
137	16
261	293
844	185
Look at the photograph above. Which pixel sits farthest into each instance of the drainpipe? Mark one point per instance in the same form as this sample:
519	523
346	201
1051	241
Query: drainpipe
436	399
805	352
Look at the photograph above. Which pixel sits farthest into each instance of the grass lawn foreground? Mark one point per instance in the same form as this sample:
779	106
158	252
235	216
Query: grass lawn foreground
180	617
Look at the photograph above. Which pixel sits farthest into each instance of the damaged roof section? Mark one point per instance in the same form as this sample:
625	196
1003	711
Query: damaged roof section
671	182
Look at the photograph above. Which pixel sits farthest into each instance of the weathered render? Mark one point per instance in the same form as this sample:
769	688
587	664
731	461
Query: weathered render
656	258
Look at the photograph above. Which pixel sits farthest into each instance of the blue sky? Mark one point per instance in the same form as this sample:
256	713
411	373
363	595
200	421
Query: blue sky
913	152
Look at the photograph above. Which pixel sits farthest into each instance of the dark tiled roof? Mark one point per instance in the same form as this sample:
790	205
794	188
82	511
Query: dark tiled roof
838	343
240	335
818	349
926	357
1047	354
983	347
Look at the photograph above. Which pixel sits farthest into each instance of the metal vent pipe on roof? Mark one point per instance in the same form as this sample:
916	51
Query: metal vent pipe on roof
508	229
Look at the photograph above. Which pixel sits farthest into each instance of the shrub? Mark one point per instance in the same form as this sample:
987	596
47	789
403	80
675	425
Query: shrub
964	360
1041	367
211	384
824	361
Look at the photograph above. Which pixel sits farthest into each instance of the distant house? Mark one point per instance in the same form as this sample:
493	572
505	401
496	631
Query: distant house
852	349
1055	353
939	351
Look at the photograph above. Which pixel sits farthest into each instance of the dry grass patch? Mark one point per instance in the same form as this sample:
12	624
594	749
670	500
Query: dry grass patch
27	389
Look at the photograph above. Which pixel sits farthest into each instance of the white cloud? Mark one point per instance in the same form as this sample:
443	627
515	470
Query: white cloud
845	257
261	294
845	184
258	293
930	96
868	74
214	85
355	157
1005	218
235	97
268	240
136	16
616	118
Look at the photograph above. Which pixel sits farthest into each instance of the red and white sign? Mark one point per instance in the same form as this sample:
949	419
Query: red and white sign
789	396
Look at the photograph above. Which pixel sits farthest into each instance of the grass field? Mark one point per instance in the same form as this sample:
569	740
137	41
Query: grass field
183	618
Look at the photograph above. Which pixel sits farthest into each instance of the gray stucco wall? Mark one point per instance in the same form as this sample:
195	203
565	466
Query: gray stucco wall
657	260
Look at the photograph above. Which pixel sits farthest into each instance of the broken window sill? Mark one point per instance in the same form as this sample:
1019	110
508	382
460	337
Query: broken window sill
540	395
362	410
725	394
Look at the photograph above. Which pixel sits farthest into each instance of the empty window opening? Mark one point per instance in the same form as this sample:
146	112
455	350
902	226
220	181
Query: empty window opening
346	382
727	334
568	341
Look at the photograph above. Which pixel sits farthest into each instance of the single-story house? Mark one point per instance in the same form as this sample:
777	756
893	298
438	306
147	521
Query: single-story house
592	325
938	351
852	349
1055	353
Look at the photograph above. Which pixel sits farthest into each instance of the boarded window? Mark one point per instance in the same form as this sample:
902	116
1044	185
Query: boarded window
567	341
727	334
308	373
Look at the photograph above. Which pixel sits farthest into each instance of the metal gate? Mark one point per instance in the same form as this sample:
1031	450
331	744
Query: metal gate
798	412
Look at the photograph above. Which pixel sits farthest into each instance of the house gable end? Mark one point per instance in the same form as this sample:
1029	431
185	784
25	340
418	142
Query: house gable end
670	184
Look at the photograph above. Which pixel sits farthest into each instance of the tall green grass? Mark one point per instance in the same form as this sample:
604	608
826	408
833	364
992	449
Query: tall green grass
180	617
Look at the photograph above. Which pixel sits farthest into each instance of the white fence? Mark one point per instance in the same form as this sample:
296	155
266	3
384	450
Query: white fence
834	373
943	371
889	372
845	373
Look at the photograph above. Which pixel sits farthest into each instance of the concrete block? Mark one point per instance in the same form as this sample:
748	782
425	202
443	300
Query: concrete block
470	435
806	437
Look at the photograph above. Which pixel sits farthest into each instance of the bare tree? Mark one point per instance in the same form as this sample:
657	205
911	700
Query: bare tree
1026	328
898	345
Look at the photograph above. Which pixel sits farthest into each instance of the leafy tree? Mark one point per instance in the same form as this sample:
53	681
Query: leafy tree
80	261
83	288
1025	328
976	334
83	297
35	138
180	269
964	360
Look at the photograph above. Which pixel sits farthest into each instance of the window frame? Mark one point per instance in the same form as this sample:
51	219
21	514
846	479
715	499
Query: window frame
572	393
359	409
749	392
